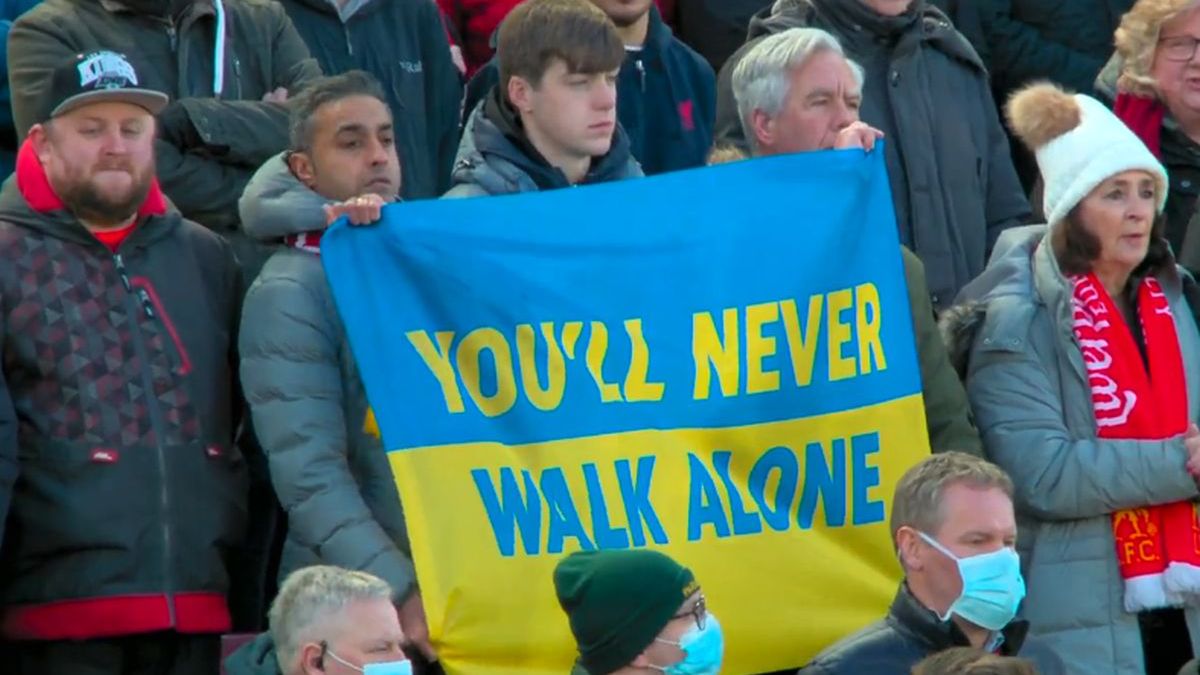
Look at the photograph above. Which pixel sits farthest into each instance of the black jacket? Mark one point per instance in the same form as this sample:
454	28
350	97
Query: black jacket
210	146
952	176
666	101
403	44
909	633
120	368
716	28
1066	41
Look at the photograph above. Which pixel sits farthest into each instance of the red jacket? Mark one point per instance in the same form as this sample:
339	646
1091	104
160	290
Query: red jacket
474	21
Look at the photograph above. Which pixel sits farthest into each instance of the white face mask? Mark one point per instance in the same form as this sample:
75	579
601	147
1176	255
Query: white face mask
401	667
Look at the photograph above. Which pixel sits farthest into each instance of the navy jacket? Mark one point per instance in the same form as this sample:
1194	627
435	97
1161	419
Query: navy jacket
666	100
403	44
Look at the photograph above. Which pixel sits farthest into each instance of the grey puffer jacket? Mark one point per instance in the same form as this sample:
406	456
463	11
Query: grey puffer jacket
1029	391
310	409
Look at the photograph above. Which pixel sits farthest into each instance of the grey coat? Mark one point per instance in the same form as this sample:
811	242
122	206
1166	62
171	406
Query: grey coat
952	176
1029	391
310	409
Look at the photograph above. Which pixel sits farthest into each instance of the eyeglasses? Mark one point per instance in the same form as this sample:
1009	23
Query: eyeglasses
699	612
1181	48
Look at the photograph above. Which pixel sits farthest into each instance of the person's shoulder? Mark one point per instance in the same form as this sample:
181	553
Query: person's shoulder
57	13
876	648
258	10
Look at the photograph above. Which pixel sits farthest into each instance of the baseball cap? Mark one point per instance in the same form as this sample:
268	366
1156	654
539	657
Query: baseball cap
97	77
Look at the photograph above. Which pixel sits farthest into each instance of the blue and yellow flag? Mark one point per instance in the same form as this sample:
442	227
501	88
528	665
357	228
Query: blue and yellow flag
718	364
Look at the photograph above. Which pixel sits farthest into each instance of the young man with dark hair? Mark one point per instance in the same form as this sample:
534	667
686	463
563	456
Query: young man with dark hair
310	411
551	122
666	92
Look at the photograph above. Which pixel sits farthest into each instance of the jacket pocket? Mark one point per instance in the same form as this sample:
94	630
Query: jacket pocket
81	517
208	487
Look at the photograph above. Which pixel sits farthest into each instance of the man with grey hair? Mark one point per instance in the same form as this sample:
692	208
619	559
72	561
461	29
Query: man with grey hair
797	92
328	621
948	159
955	531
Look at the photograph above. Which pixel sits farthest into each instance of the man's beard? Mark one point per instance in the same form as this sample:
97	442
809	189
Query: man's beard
91	206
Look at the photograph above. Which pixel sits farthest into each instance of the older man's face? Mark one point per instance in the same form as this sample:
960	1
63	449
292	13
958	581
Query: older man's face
824	99
888	7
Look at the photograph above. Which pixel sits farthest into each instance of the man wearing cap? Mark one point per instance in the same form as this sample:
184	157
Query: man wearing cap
227	64
117	327
637	612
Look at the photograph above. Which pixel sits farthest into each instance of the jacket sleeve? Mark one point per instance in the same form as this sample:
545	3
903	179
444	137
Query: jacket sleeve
8	453
443	96
34	50
1018	52
276	204
1006	203
292	380
1058	476
203	189
947	414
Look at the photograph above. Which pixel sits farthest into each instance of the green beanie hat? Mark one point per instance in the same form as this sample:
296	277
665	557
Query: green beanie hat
618	602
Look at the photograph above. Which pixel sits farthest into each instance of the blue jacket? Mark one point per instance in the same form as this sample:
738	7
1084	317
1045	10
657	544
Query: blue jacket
9	11
403	44
666	100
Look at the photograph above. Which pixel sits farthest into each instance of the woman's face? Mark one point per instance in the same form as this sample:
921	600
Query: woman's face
1176	66
1119	213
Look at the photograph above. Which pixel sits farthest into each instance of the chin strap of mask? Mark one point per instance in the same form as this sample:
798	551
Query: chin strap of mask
219	50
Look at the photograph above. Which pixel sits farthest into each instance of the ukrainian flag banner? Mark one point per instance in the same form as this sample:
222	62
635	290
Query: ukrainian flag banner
718	364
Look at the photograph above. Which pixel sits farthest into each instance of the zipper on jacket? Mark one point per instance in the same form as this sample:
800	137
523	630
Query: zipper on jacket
172	37
349	44
156	422
641	68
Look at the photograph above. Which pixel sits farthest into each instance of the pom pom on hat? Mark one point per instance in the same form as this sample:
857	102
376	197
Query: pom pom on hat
1042	113
1079	144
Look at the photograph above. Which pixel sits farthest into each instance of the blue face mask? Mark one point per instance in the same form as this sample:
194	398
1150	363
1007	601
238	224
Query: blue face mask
385	668
703	648
992	586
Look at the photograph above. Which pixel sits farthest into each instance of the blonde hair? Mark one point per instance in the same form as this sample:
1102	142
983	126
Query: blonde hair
309	598
1137	40
724	153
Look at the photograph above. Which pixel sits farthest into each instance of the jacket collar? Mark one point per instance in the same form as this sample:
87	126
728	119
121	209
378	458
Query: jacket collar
912	619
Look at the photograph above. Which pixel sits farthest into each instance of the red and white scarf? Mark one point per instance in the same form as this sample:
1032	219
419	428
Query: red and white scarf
305	241
1158	547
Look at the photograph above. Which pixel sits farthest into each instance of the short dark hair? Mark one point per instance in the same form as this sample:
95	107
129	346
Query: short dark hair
538	31
322	91
1076	249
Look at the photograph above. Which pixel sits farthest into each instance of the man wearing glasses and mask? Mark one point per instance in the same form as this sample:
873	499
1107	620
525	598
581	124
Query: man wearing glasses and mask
637	612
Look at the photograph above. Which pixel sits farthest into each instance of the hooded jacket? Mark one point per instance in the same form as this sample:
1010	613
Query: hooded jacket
403	44
211	141
310	410
952	176
666	100
1029	389
119	367
496	158
909	633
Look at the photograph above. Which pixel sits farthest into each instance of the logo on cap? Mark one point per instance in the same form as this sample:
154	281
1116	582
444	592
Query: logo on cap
106	70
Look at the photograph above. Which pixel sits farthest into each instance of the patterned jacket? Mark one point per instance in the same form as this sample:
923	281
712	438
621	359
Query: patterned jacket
120	368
